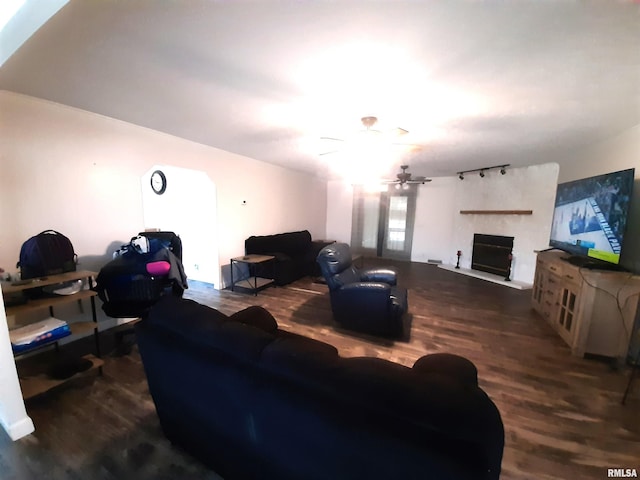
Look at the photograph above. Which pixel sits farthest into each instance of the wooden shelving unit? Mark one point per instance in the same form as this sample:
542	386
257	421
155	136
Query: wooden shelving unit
47	302
32	386
36	384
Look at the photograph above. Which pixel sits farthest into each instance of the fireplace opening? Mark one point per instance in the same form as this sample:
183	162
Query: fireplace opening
491	253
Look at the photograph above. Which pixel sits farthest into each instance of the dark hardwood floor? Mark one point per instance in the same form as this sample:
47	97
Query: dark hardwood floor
563	415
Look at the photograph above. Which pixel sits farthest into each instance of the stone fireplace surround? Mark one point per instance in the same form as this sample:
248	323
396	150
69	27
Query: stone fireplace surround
518	204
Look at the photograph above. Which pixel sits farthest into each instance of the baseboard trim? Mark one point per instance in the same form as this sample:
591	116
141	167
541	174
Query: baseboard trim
19	429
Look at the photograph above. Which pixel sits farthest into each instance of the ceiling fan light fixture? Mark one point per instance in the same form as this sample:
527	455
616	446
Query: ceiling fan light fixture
370	141
404	179
369	122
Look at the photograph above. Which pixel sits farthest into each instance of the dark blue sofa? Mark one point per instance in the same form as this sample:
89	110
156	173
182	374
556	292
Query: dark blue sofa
295	254
253	401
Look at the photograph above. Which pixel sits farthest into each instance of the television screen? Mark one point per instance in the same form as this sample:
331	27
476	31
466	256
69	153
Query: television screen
590	215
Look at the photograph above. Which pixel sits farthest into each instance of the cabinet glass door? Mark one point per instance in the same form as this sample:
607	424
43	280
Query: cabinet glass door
538	286
567	310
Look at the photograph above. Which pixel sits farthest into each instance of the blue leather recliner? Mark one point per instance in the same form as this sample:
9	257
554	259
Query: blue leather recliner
363	300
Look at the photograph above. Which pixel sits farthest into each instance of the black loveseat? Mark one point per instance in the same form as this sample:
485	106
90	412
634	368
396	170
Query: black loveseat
252	401
295	254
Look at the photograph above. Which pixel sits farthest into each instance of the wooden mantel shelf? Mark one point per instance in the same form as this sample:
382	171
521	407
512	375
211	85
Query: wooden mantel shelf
496	212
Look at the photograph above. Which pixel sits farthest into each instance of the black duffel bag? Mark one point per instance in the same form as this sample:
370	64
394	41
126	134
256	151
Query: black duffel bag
47	253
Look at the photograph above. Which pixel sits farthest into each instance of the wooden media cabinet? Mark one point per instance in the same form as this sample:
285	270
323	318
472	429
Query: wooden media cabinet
592	310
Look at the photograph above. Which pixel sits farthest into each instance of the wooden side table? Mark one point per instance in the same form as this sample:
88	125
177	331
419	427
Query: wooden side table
252	262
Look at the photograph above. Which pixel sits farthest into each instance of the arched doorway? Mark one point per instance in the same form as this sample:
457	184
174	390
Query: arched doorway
187	206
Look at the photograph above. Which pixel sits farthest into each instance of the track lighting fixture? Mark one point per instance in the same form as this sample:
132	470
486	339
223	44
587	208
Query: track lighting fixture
481	171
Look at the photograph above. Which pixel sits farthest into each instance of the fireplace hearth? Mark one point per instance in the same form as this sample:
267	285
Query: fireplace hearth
492	254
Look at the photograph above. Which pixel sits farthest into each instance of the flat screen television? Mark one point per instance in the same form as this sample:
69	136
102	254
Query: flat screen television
590	218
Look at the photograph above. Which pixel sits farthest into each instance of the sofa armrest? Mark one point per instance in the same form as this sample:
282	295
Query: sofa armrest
317	245
364	296
382	275
455	366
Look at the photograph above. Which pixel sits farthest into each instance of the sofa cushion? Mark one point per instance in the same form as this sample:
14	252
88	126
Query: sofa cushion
290	243
182	315
207	327
240	340
256	316
428	401
280	256
382	382
309	362
345	277
295	243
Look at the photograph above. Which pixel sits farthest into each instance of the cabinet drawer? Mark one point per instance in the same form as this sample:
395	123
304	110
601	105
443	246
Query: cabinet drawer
548	312
552	288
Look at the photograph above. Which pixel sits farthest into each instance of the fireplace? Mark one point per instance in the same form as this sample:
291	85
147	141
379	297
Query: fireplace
492	254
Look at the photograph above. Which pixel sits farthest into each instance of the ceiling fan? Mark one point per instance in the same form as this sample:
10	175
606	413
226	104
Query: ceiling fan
369	123
404	179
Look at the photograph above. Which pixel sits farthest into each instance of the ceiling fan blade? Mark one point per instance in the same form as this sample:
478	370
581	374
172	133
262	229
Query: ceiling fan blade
332	138
419	180
329	152
399	131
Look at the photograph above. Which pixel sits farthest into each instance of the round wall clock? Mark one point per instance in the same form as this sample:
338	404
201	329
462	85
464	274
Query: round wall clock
158	182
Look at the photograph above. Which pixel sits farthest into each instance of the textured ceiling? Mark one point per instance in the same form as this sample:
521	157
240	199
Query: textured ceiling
475	83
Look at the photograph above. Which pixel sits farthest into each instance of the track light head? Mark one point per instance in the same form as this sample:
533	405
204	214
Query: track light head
482	171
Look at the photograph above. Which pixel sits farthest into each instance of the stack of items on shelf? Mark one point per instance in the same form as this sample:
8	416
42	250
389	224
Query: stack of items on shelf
39	333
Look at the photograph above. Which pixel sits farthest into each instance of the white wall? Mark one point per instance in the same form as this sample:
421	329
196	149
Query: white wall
433	229
619	153
79	173
528	188
339	211
440	230
433	224
197	226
